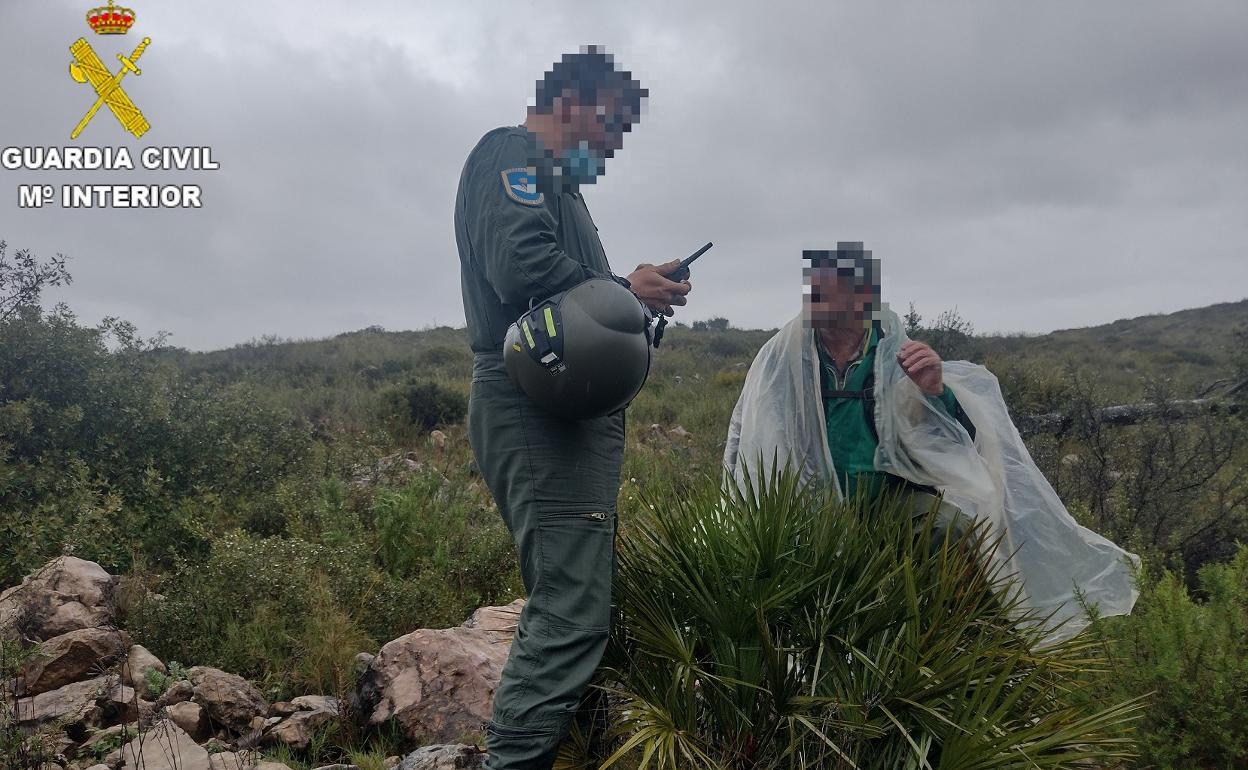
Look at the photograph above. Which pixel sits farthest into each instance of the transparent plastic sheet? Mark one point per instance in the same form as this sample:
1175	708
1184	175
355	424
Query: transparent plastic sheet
779	417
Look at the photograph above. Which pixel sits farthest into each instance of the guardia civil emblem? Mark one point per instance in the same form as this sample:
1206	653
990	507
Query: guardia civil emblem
88	68
520	184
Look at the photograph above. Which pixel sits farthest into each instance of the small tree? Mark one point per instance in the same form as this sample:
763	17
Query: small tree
717	324
951	336
23	279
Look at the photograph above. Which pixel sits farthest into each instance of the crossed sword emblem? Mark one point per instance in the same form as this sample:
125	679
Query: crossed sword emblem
87	67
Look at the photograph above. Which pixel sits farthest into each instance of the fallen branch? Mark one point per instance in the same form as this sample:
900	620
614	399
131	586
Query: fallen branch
1129	414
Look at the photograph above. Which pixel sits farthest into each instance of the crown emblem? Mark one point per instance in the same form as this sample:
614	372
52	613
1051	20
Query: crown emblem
110	20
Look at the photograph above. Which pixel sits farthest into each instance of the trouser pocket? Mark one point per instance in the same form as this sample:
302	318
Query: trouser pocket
577	554
519	748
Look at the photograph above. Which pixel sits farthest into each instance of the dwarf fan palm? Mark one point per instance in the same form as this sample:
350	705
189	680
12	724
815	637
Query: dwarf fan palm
781	628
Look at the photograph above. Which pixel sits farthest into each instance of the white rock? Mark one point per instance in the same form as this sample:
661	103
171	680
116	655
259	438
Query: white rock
444	757
75	702
164	746
316	703
138	661
436	683
500	622
191	718
65	594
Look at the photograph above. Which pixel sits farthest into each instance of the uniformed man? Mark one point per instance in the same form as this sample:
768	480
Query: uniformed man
524	233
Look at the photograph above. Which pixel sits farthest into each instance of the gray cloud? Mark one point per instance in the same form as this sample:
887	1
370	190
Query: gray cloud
1038	166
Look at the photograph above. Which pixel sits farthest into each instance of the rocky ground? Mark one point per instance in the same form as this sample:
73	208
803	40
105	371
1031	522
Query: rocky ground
97	700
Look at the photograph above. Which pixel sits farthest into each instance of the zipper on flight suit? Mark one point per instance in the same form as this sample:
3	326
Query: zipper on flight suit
595	515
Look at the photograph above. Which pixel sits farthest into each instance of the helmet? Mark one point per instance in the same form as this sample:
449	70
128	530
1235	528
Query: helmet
582	353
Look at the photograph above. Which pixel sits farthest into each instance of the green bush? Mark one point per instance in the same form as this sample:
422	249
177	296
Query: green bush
106	450
789	630
418	407
434	532
1193	657
249	605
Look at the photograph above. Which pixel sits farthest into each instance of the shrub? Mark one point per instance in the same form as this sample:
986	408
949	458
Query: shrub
1193	657
788	630
433	533
251	603
419	407
97	446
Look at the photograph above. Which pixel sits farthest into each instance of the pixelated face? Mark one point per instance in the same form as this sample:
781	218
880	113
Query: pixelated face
839	290
602	124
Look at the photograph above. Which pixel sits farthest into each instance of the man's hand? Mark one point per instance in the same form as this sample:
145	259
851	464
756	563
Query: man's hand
656	291
921	364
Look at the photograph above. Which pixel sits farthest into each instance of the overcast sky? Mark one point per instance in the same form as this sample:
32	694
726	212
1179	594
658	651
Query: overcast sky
1037	165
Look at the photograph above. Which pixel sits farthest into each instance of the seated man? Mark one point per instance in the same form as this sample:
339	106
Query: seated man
842	396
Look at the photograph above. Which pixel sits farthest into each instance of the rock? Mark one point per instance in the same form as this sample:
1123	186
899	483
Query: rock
230	760
500	622
296	730
134	672
75	703
257	723
164	746
61	744
72	656
179	691
364	696
99	767
190	717
108	736
437	684
679	432
271	766
64	595
444	757
316	703
390	762
438	438
337	767
120	704
1071	459
216	746
228	699
282	708
148	711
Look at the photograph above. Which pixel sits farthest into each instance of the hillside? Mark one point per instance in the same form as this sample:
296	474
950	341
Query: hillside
293	503
1193	348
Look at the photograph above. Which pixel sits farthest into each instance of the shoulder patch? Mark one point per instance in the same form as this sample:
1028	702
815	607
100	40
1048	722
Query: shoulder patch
520	184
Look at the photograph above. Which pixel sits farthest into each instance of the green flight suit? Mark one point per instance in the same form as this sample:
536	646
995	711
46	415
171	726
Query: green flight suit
522	235
852	438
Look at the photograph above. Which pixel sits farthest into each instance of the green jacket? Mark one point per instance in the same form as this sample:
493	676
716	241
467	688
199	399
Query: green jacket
852	438
522	234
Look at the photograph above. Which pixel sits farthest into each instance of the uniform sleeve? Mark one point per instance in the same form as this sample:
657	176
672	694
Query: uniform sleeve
514	240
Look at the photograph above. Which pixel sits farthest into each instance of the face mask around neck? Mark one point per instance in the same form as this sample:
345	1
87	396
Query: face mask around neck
581	164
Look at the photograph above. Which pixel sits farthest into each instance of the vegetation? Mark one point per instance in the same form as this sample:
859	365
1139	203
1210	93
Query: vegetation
280	505
780	628
1189	650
